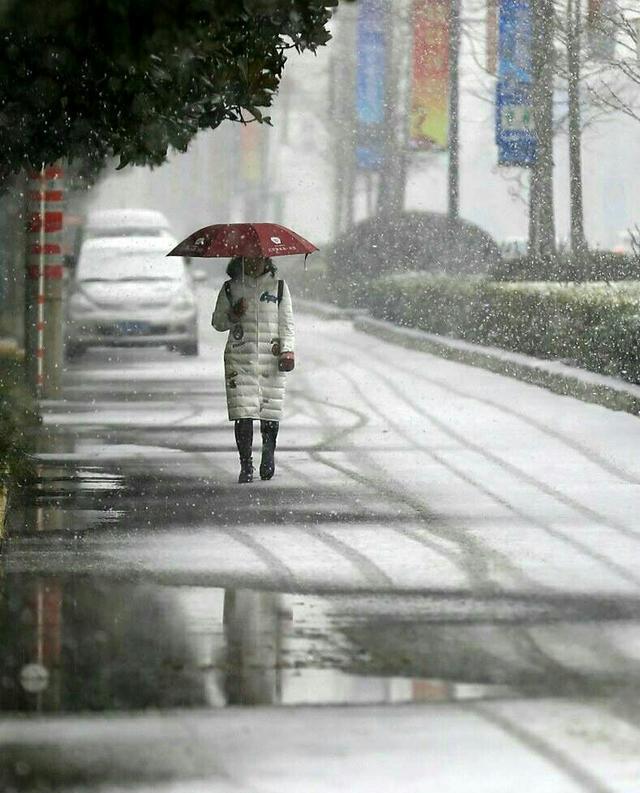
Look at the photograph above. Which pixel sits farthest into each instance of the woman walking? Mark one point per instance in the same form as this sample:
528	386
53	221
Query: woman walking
255	307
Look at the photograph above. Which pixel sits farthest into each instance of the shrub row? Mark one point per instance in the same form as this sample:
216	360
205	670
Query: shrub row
17	418
595	325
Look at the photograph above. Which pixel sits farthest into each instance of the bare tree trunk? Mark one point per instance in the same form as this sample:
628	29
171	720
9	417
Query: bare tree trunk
542	235
389	188
574	22
343	120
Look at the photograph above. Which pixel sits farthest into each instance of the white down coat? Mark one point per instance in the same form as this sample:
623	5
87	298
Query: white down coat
255	387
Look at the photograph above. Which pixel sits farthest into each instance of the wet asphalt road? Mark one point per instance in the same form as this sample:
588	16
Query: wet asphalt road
435	535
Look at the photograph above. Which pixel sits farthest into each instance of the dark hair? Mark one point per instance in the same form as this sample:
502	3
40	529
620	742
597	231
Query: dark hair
234	268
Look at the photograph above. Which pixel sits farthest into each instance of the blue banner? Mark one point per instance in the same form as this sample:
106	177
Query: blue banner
515	133
370	83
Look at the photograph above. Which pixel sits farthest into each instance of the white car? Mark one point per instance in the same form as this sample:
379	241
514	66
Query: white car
126	223
127	292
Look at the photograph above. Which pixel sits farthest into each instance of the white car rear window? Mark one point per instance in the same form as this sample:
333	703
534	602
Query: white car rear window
116	265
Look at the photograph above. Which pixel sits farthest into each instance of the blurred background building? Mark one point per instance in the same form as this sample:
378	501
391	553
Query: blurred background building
316	168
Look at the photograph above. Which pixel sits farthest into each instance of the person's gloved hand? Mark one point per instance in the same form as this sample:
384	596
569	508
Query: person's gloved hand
286	362
239	308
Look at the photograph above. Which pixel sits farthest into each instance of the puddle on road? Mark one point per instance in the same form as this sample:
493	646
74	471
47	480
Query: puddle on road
79	642
82	643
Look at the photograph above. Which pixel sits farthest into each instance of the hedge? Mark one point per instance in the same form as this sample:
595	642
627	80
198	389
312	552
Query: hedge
18	416
595	325
591	266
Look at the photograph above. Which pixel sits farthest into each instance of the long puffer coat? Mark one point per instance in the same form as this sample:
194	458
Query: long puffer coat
255	387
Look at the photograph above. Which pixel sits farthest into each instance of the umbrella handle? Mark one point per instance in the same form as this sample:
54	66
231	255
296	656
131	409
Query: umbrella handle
304	278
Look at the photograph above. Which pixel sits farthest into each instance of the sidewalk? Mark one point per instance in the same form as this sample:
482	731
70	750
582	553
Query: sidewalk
558	746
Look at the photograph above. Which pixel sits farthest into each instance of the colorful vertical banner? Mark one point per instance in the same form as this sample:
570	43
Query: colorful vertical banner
601	29
429	119
370	83
594	12
515	134
250	152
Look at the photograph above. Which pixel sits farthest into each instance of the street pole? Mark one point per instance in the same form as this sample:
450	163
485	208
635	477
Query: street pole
542	235
574	23
386	202
44	321
348	116
453	203
393	175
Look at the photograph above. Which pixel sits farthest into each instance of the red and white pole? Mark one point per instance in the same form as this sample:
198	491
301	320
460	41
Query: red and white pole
45	272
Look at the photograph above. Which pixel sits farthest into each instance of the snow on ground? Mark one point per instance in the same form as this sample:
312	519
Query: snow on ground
412	494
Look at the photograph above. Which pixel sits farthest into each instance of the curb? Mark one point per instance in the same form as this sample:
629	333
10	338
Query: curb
610	392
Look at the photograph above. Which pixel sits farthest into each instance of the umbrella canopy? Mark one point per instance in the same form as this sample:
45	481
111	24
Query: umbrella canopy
243	239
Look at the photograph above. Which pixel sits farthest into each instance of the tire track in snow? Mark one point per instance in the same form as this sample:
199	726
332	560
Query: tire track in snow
517	472
513	469
589	454
365	566
274	564
496	497
543	748
405	531
473	556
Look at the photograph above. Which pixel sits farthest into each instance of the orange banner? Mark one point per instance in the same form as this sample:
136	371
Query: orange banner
429	122
250	152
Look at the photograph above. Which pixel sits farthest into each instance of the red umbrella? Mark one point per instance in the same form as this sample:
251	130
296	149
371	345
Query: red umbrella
243	239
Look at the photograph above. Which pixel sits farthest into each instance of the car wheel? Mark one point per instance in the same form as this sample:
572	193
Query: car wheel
74	351
189	348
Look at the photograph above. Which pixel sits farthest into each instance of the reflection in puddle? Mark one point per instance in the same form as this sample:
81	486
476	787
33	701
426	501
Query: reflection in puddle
79	643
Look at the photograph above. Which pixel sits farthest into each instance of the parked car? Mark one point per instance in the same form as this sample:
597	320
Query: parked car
126	223
127	292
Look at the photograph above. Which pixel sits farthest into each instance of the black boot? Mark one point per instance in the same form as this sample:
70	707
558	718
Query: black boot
244	442
269	430
246	471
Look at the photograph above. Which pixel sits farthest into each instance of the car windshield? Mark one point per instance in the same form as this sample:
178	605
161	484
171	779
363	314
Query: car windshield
118	265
